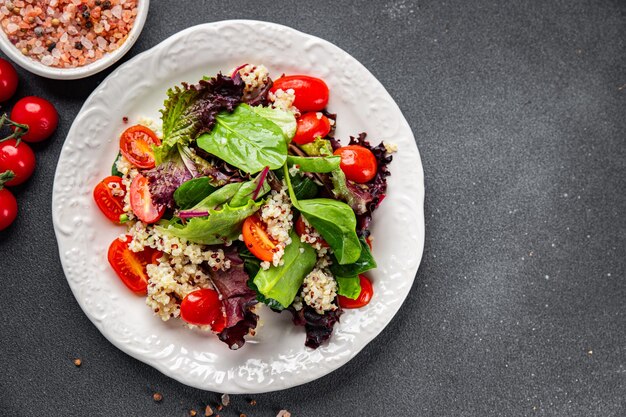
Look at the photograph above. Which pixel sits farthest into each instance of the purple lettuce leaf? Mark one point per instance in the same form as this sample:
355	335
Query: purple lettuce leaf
319	327
164	179
238	300
258	96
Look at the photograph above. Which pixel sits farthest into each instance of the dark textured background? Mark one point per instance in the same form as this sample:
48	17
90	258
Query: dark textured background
519	111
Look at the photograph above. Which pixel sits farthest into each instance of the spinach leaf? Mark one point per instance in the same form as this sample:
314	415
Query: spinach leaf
303	187
219	197
270	302
281	283
315	164
349	287
219	226
251	263
114	171
332	219
364	263
246	140
284	119
192	192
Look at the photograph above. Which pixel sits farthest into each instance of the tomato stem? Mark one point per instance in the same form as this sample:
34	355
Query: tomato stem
21	129
5	177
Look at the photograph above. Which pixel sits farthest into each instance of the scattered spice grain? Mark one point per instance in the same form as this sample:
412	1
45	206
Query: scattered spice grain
78	362
157	396
208	411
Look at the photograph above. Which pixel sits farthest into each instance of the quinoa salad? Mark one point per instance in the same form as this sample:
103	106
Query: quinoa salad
239	196
67	33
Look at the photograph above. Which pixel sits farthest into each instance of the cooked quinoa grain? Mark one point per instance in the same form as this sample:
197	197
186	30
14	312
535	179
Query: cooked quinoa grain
319	290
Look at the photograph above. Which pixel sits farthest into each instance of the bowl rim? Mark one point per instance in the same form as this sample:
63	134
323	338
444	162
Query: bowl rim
106	61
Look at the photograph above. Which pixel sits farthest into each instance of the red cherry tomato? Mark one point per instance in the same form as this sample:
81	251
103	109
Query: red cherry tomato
364	297
141	201
136	145
17	157
40	116
202	307
301	229
8	80
358	163
257	240
311	125
131	266
311	93
109	196
8	208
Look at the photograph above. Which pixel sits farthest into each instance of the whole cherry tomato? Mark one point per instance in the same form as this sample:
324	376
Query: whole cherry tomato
202	307
8	208
136	145
367	291
40	116
311	93
257	240
109	196
8	80
358	163
141	201
310	126
17	157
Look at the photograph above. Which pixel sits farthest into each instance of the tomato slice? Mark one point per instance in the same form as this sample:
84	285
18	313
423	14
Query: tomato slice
367	291
108	199
136	145
202	307
257	240
301	229
131	266
358	163
310	126
141	201
311	93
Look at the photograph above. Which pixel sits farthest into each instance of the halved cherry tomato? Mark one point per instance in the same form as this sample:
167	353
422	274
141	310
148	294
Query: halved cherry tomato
311	125
131	266
17	157
202	307
358	163
109	201
257	240
301	229
311	93
136	145
141	201
367	291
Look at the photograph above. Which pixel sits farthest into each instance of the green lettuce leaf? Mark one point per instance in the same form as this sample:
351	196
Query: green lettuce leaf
281	283
319	147
321	164
192	192
219	226
349	287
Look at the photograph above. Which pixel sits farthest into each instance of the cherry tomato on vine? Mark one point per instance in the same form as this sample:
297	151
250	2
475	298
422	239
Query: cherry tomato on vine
109	196
311	93
203	307
8	80
141	201
367	291
311	125
131	266
8	208
136	145
358	163
257	240
17	157
40	116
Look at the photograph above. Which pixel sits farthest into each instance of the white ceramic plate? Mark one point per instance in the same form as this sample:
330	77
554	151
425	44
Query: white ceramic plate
276	358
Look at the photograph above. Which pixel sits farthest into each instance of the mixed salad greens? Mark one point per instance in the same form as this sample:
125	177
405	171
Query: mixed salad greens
246	175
